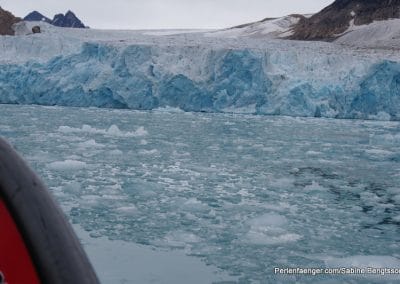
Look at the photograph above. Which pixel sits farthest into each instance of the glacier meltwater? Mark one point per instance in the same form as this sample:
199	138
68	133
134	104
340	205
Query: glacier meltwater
174	197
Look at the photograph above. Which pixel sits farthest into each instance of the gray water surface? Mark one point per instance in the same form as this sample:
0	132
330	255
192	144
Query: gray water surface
242	194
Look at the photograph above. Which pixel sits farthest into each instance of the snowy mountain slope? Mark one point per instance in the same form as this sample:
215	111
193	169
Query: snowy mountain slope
383	34
379	34
198	72
272	28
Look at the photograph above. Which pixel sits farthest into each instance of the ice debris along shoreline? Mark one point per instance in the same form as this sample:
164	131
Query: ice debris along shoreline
201	74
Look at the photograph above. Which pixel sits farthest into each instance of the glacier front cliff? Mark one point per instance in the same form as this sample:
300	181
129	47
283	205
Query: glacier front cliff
295	79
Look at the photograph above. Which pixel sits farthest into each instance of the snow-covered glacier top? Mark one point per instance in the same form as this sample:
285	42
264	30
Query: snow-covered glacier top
198	71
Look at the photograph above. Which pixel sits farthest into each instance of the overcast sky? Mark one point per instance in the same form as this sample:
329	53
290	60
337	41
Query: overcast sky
154	14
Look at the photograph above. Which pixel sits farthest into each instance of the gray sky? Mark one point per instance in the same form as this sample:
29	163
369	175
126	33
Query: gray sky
154	14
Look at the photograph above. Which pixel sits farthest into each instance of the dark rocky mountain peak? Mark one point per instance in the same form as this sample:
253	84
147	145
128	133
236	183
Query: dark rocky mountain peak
69	20
36	16
337	17
7	20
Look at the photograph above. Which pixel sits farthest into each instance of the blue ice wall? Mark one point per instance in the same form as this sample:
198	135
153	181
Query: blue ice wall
225	80
379	92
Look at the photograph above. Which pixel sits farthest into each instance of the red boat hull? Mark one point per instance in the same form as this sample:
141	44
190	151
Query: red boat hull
15	262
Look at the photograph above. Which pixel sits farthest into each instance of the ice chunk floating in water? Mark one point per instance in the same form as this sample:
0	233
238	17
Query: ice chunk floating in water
242	193
67	165
269	229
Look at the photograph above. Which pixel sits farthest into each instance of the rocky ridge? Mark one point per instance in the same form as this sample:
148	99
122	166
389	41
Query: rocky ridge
69	20
7	20
335	19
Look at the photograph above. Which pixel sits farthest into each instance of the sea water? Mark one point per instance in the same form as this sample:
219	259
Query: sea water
174	197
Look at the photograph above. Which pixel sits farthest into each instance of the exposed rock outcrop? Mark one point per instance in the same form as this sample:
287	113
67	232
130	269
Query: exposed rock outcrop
36	30
7	20
335	19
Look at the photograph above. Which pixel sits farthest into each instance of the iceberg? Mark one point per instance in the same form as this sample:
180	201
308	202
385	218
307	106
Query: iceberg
193	72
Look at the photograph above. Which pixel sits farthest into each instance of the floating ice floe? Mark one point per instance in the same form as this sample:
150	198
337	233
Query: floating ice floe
113	130
67	165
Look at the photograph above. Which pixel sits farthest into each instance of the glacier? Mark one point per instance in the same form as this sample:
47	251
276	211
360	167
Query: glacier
197	73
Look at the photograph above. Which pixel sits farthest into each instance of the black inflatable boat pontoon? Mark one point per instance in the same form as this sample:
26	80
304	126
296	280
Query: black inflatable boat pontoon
37	244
